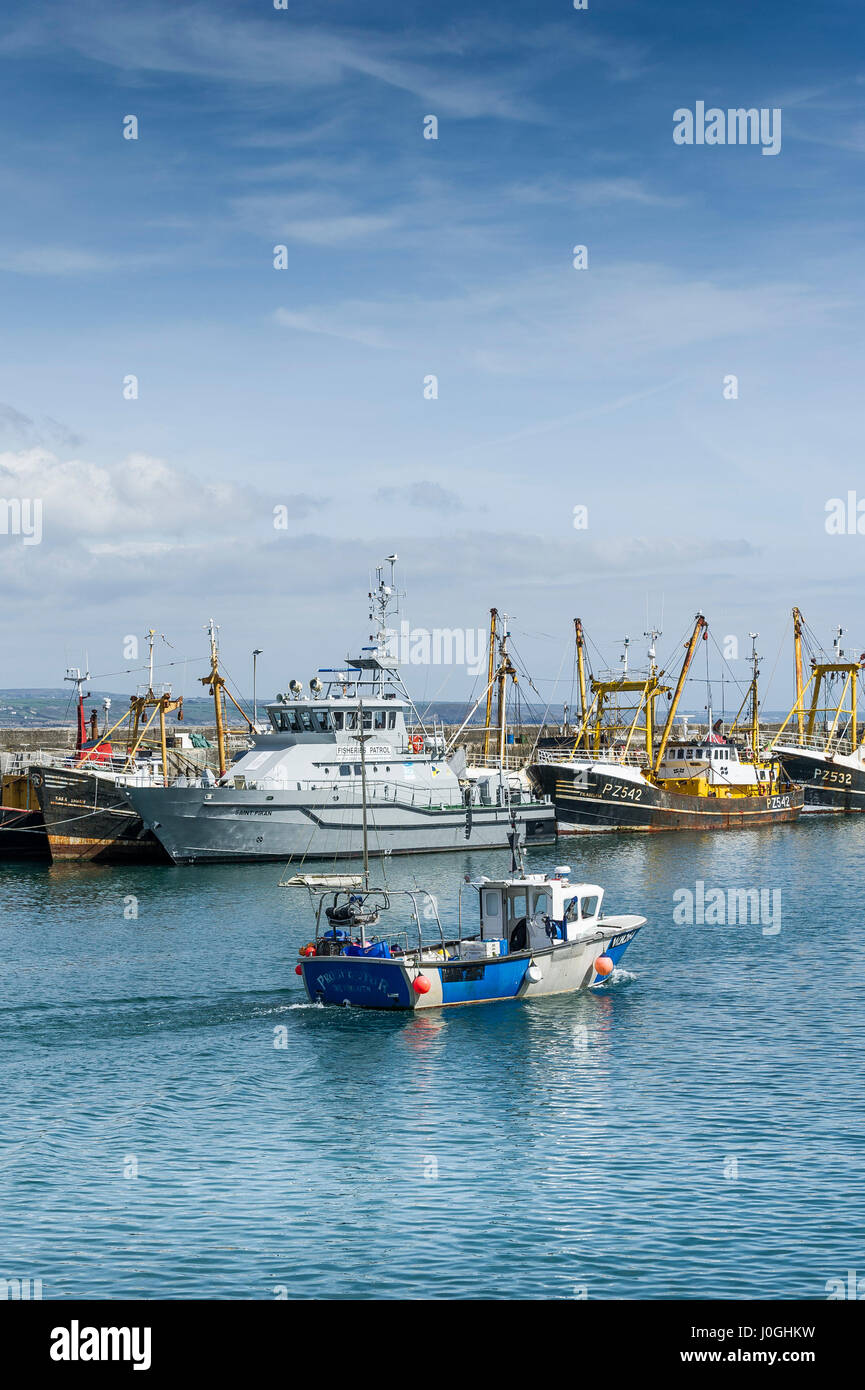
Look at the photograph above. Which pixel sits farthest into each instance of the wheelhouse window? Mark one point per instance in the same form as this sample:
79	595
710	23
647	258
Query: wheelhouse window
367	719
391	719
322	720
289	721
492	904
517	906
306	721
350	719
337	718
589	907
345	769
381	719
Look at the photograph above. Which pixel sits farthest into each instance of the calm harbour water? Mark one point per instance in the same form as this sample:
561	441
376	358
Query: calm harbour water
587	1143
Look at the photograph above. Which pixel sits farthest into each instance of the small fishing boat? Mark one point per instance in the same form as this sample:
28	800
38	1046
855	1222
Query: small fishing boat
537	934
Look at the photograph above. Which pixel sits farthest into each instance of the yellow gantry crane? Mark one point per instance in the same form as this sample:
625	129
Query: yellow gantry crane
218	690
821	675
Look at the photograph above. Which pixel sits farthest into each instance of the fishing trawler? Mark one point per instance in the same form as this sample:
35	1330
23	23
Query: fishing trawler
824	752
296	793
83	798
617	778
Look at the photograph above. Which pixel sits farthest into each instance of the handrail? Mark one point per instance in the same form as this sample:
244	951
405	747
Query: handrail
814	743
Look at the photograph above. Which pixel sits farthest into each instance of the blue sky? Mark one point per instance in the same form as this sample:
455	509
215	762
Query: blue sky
406	257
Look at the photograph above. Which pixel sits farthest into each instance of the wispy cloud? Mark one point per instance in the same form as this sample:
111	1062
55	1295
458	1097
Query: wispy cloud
347	322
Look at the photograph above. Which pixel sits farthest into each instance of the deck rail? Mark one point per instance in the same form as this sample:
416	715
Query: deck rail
813	743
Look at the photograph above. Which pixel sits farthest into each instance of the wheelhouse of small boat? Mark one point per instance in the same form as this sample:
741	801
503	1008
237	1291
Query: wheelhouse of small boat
528	911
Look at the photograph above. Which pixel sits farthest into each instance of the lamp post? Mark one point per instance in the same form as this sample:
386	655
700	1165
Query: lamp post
255	655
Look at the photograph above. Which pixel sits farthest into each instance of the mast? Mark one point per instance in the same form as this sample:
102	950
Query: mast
74	675
216	682
491	671
505	669
755	718
651	693
700	626
380	600
581	669
160	703
362	738
797	649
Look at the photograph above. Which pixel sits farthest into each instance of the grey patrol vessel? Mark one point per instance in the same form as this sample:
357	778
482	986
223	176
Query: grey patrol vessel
297	792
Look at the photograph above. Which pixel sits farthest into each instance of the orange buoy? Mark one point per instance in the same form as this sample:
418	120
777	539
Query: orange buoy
298	970
604	966
420	984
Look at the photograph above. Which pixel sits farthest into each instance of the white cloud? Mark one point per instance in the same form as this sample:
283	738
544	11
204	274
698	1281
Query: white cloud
138	505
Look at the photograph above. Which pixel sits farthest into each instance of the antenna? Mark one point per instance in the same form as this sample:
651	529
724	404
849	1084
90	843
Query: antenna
624	657
653	634
73	674
383	608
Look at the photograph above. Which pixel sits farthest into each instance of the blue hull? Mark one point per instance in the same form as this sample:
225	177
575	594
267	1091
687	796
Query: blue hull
377	983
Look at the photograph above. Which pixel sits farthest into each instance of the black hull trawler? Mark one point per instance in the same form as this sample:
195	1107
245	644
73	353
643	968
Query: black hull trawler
607	797
88	816
84	799
824	751
613	778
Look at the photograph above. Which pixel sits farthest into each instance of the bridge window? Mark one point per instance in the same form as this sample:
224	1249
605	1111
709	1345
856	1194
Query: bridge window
381	719
391	719
322	720
337	718
350	719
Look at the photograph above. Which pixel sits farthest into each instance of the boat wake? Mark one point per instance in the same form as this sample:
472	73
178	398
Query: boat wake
620	979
